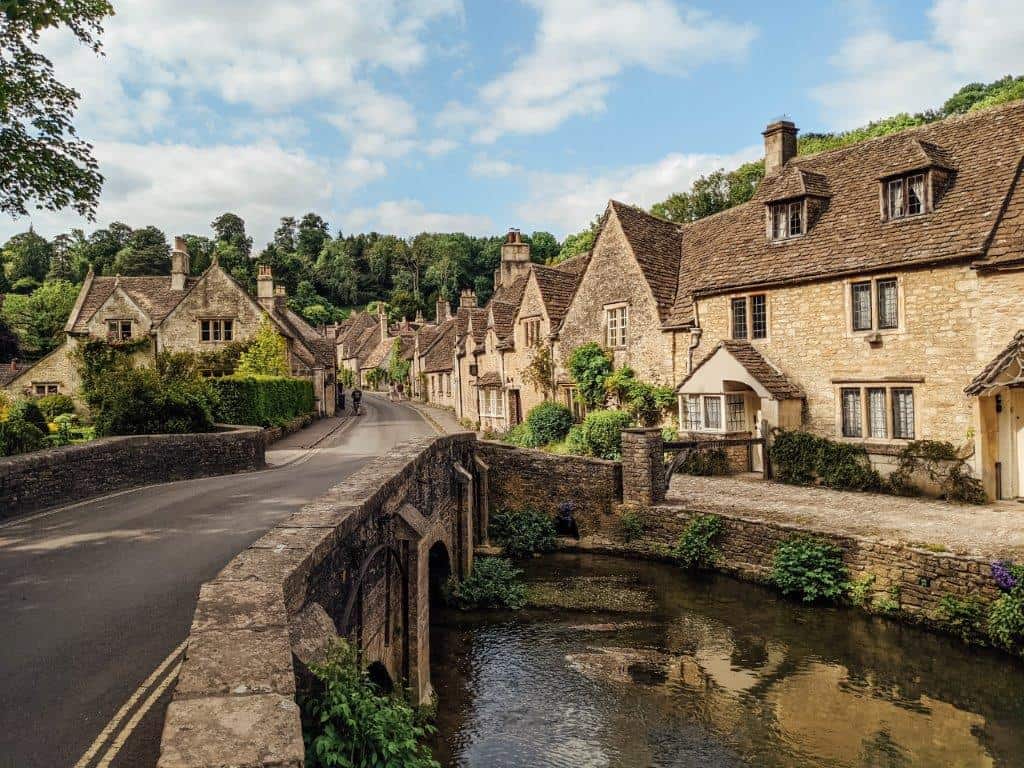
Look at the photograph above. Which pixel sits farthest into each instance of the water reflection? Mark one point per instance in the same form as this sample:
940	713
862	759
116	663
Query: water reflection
718	673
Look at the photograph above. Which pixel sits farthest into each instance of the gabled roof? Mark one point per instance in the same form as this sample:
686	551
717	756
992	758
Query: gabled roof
557	287
1005	368
438	356
152	294
502	318
793	181
729	250
776	383
315	343
656	245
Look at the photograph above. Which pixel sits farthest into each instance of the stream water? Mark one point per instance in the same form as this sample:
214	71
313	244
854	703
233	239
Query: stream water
653	667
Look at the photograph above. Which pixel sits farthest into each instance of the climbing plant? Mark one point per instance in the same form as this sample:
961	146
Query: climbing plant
590	365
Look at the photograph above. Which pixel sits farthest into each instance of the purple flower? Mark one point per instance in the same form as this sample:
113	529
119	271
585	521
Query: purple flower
1002	572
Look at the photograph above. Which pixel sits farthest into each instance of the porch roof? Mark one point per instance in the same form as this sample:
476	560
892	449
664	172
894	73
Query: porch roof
734	360
1005	369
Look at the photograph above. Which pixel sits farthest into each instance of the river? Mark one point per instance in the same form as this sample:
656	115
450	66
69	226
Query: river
654	667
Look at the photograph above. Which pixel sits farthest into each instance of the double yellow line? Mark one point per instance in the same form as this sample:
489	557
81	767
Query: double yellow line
118	730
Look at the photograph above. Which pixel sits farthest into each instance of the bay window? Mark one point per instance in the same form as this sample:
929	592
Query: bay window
714	413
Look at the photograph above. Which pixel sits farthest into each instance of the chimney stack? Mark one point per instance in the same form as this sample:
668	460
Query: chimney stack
779	145
515	259
179	264
265	286
443	310
467	298
382	320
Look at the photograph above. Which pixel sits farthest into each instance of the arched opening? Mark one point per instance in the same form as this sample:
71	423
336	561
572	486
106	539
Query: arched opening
378	675
440	569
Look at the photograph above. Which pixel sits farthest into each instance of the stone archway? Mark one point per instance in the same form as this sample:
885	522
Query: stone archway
439	570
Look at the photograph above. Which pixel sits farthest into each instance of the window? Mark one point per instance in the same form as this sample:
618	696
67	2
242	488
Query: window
739	318
876	413
448	384
875	304
570	397
712	413
852	422
43	388
861	306
119	330
903	413
787	220
749	317
735	413
493	403
691	413
905	197
888	304
216	330
703	413
531	331
617	323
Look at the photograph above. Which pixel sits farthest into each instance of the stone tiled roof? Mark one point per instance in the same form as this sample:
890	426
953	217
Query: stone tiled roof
479	316
729	251
153	295
511	293
504	316
438	356
8	371
793	181
770	377
315	343
1006	245
1012	355
576	264
489	379
557	287
656	245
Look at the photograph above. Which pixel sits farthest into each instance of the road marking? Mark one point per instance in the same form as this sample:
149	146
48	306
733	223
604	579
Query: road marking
115	721
140	713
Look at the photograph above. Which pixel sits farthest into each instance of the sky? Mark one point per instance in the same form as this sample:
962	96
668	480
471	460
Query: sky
404	116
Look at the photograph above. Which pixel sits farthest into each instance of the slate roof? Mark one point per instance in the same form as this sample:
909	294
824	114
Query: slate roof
656	243
153	294
729	250
1013	353
770	377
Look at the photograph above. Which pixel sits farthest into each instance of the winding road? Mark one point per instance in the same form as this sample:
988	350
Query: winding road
97	598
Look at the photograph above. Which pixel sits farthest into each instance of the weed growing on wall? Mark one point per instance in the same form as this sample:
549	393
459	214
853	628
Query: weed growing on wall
632	526
697	548
1006	614
964	617
348	722
940	462
494	583
859	590
810	568
523	533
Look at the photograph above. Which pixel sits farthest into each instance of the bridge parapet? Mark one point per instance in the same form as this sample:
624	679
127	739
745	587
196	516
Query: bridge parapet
357	562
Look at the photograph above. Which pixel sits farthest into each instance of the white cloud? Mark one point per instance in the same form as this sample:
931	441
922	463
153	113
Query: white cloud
580	48
881	75
410	217
493	168
181	188
568	202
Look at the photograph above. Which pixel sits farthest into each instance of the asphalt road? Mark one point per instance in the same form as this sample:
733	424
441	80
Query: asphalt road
93	597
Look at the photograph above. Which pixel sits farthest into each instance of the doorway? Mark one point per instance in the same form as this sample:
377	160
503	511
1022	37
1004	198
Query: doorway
1010	420
515	407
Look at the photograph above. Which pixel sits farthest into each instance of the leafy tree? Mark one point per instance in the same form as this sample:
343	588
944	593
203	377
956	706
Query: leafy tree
338	271
45	163
576	244
200	253
229	228
310	235
103	245
67	260
589	365
27	255
266	355
544	247
38	318
145	253
9	347
5	285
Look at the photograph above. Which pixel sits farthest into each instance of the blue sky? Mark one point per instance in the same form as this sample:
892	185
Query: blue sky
412	115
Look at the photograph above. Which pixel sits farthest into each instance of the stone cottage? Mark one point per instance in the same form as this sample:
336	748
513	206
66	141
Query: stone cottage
180	313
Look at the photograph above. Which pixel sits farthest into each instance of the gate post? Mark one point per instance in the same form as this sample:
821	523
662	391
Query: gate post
643	466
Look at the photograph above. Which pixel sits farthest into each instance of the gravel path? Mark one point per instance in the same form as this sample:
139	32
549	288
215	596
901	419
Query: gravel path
996	530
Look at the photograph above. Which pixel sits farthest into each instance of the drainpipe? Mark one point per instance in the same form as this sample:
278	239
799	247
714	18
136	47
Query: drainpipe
695	334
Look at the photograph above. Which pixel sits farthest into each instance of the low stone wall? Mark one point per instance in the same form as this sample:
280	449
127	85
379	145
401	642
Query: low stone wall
916	579
520	477
355	562
273	434
43	479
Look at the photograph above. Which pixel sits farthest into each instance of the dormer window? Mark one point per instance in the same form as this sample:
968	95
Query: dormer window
906	196
787	220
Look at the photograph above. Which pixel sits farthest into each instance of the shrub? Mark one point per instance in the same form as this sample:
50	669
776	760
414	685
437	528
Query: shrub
964	617
549	422
801	458
941	463
632	526
138	401
19	436
265	355
521	435
601	433
347	721
696	548
1006	614
705	462
523	533
28	411
494	583
859	590
589	366
646	403
262	400
53	406
810	568
574	442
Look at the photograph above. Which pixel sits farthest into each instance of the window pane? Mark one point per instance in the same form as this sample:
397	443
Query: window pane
691	415
204	330
229	329
915	194
736	413
903	414
852	425
713	412
876	413
888	314
778	222
896	199
739	318
759	316
861	306
795	219
623	325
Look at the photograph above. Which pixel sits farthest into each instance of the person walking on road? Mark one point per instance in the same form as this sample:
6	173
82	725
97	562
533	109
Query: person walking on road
357	396
340	397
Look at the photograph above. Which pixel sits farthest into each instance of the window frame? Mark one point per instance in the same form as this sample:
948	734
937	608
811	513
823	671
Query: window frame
48	387
120	323
874	304
693	412
894	428
748	313
214	328
616	334
781	219
531	330
903	187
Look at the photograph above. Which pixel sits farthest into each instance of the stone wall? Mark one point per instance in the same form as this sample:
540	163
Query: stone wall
520	478
44	479
355	562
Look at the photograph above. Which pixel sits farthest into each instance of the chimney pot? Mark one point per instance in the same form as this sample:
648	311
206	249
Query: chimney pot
779	145
179	264
265	285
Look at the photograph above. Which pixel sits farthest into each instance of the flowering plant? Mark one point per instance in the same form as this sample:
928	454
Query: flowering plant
1007	575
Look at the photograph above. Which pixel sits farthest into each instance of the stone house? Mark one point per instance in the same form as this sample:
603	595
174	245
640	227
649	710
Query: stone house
356	338
179	313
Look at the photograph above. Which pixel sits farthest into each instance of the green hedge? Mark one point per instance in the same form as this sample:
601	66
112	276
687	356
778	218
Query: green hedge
262	401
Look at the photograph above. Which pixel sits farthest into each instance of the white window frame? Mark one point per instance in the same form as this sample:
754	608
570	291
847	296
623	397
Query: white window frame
616	323
781	218
874	430
748	298
693	412
118	333
897	196
874	305
492	403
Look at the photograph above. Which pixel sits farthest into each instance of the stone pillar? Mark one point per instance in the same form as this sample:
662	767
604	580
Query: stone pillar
643	466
